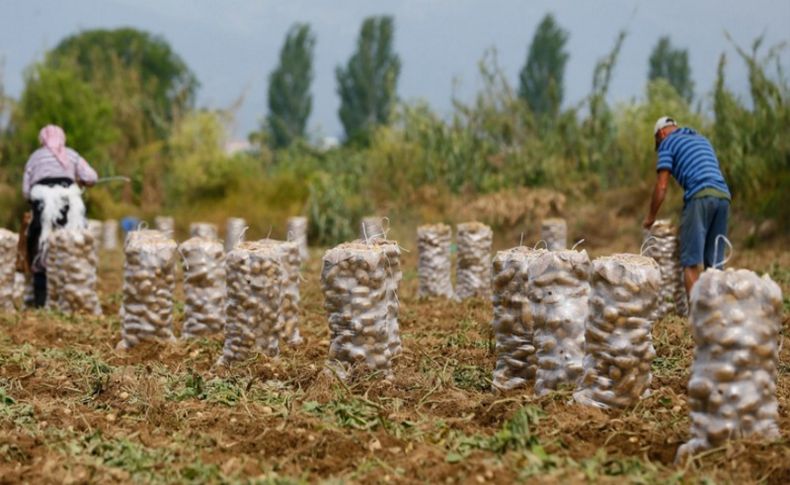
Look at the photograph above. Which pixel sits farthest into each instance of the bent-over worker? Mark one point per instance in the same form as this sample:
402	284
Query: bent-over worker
690	159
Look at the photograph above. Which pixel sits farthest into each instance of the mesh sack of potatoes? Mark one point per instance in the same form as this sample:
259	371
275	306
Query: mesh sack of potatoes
71	262
166	225
20	285
297	231
473	274
392	254
558	289
355	283
8	243
96	229
555	233
372	227
234	231
435	267
204	287
206	230
289	310
661	244
109	238
255	280
512	322
735	317
618	347
148	284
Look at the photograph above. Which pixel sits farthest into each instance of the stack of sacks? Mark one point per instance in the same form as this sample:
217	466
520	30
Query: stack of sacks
166	225
618	348
20	287
555	233
512	323
254	296
735	318
474	261
109	234
558	289
372	227
204	287
206	230
661	244
234	232
148	284
433	244
71	262
355	281
8	243
297	231
289	310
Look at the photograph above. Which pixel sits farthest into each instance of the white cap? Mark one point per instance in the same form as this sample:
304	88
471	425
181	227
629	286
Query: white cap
663	122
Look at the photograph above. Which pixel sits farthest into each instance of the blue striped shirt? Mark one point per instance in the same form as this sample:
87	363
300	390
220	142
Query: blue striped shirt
690	158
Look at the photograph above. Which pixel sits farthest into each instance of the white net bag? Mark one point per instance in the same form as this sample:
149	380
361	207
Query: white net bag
254	296
372	227
20	287
109	238
735	319
355	282
473	276
435	267
234	232
512	322
661	244
555	233
558	289
204	287
148	284
206	230
392	254
618	348
8	243
71	260
166	225
96	229
297	231
289	310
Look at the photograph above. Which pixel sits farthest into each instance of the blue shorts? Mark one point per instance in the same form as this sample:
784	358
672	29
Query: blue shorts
703	219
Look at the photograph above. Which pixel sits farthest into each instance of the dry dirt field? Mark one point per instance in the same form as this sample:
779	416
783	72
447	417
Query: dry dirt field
72	409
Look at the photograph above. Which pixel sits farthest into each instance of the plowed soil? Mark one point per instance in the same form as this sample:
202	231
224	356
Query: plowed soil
74	410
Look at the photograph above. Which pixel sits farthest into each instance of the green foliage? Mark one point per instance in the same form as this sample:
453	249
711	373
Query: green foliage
101	54
542	76
58	96
367	86
290	101
672	64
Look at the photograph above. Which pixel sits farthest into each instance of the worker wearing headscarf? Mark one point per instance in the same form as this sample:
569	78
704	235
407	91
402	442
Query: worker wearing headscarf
51	183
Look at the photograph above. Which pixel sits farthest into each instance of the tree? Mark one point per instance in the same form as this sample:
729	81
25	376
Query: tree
542	76
142	61
60	97
672	64
290	101
367	85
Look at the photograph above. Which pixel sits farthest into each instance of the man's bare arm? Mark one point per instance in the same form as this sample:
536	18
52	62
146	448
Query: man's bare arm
659	194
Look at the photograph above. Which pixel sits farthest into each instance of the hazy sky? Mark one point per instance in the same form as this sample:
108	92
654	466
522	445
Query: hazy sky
232	45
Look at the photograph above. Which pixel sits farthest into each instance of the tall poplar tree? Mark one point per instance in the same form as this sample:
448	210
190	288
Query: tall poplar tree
290	101
367	85
672	64
541	80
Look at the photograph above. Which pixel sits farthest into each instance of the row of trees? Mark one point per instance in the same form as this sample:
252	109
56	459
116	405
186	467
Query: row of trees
367	84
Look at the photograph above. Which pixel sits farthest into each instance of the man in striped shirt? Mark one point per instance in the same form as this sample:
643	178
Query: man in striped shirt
690	159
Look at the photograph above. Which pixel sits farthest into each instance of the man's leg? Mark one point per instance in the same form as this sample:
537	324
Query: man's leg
690	276
719	210
692	241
